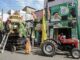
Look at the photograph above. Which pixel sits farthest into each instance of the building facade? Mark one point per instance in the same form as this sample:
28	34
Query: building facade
28	9
69	23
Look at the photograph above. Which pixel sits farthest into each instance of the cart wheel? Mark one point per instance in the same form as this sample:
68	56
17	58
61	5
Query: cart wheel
48	48
75	53
13	49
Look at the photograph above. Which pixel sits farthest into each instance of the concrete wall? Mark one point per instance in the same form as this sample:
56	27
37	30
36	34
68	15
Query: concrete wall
30	10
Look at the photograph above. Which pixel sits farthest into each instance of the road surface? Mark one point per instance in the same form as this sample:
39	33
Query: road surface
35	55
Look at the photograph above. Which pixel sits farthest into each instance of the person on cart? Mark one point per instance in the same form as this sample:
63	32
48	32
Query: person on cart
26	41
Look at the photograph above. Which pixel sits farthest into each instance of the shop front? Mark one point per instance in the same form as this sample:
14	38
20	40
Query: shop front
64	20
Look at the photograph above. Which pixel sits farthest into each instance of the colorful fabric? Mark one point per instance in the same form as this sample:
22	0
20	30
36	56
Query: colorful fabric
44	30
1	25
22	30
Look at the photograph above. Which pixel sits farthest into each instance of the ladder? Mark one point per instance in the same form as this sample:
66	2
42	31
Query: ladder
4	42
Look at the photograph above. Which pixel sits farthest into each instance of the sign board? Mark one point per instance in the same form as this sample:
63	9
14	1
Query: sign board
62	9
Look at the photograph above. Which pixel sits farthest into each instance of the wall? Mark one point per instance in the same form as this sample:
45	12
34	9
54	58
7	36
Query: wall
74	30
56	2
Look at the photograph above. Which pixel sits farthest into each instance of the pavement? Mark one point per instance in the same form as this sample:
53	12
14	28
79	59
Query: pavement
36	54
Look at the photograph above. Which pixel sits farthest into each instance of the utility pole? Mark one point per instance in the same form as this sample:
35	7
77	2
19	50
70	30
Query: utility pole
46	10
2	14
78	26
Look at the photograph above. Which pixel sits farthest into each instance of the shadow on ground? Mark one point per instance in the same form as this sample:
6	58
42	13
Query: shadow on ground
38	52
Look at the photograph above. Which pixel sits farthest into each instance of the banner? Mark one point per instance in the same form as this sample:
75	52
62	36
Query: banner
44	32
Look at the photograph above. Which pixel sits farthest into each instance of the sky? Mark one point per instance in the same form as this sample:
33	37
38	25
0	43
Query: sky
20	4
7	5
